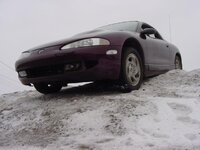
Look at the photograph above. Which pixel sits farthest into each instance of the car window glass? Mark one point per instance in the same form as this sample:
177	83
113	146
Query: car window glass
123	26
155	36
151	35
158	36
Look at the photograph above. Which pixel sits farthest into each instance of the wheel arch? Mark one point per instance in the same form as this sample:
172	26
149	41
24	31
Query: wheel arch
179	55
134	43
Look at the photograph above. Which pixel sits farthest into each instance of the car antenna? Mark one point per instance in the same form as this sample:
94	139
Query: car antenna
170	34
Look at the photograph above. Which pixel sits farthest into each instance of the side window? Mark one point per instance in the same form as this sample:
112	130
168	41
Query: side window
155	36
158	36
152	36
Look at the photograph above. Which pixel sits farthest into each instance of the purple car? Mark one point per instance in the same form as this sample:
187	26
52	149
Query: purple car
125	52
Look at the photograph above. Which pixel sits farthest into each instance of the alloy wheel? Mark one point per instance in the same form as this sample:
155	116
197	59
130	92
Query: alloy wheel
133	70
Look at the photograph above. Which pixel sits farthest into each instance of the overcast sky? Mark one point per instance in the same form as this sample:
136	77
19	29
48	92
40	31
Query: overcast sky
28	23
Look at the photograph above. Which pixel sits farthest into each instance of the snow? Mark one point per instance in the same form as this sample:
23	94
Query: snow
163	114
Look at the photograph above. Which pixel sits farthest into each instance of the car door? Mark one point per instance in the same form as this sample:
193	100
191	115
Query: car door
158	52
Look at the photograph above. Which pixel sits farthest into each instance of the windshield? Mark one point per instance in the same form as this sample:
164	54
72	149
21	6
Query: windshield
123	26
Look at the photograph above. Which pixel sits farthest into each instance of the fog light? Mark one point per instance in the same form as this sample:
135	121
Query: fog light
70	67
111	52
22	73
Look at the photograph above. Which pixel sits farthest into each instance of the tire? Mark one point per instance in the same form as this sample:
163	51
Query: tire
131	70
178	63
47	88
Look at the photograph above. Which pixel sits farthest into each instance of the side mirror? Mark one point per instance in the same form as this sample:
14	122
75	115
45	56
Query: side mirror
147	31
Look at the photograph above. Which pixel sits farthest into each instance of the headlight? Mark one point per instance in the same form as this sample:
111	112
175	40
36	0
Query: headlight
87	42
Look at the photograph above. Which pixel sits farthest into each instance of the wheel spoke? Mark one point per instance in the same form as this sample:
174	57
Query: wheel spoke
135	61
134	77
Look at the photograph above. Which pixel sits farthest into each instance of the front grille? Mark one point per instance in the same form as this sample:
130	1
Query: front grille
58	69
45	71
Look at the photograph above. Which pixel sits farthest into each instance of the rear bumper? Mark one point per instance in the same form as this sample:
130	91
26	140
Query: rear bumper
94	65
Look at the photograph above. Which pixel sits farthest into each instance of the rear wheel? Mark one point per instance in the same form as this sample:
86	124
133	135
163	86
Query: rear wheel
131	71
47	88
177	62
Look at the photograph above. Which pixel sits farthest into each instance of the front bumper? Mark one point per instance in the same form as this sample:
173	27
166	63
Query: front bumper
50	65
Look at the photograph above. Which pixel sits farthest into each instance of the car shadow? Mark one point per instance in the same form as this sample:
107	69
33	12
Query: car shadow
89	89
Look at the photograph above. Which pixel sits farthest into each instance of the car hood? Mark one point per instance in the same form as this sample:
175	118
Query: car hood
88	34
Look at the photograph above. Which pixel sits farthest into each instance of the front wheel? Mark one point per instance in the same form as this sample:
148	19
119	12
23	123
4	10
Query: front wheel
47	88
132	70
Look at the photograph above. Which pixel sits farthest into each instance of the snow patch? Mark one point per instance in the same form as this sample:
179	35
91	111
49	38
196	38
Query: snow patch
162	114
